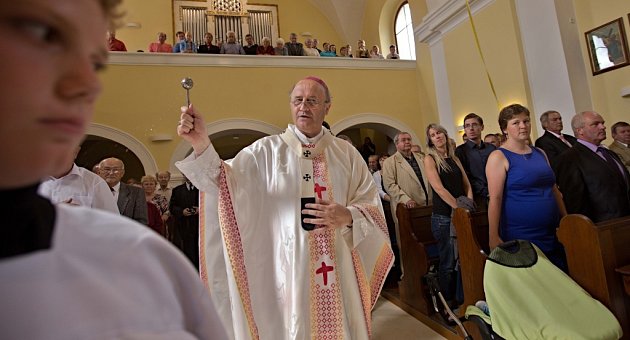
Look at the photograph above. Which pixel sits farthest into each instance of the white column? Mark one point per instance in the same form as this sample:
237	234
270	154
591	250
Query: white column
442	90
547	71
444	15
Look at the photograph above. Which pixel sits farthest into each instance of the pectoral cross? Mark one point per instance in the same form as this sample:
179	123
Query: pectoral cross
324	269
319	189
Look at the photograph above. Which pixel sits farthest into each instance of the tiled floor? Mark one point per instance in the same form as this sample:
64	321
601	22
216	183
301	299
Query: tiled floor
390	322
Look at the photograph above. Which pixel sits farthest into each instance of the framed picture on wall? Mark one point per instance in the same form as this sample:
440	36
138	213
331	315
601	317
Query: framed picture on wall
607	47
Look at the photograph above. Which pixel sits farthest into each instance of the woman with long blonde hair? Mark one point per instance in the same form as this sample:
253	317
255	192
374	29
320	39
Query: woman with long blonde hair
448	180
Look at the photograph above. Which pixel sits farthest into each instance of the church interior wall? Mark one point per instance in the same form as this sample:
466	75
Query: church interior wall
302	16
605	87
384	13
144	100
155	16
405	94
426	90
152	16
468	82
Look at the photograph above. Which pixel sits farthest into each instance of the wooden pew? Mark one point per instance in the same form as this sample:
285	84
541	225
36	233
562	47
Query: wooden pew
472	238
625	274
415	237
594	252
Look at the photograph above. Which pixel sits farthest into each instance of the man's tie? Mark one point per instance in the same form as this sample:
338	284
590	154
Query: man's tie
610	160
113	191
565	140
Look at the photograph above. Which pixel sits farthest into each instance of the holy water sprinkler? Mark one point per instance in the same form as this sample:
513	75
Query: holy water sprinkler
187	83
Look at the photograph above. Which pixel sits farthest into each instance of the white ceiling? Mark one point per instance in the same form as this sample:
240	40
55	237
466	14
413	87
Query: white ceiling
346	16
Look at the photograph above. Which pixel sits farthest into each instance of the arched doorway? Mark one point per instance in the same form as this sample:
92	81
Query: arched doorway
132	144
358	134
380	128
228	143
96	148
228	137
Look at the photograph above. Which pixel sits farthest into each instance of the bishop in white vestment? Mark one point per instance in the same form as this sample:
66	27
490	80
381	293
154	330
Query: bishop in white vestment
270	275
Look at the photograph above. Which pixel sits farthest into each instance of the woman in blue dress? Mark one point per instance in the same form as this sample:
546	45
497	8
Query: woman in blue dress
525	202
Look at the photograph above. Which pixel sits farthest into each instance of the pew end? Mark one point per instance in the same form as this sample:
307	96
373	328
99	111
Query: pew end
594	253
473	247
417	257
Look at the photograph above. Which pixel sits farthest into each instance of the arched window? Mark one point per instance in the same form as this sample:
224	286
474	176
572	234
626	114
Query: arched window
404	33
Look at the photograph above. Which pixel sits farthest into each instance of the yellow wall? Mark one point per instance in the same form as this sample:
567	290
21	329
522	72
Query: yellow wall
605	87
300	16
497	30
406	95
157	15
145	100
384	13
154	16
424	71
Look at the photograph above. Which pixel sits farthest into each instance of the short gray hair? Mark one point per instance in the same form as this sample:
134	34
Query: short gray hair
398	136
577	122
544	118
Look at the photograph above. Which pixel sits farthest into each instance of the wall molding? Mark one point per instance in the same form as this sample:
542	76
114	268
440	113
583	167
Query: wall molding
375	121
221	126
446	17
387	125
260	61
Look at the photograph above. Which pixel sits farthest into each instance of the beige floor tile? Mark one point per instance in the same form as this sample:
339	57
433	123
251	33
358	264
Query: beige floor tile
390	322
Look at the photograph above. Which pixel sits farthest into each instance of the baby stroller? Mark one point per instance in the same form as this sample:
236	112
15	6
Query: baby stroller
530	298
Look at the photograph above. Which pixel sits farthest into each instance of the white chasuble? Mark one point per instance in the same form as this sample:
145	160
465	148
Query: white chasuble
269	277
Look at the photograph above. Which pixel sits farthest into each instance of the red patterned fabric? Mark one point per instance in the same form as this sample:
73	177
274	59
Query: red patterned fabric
232	237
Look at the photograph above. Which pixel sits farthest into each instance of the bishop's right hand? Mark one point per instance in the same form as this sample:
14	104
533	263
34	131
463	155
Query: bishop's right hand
192	128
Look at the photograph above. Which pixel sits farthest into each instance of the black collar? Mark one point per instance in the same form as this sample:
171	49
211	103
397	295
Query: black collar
27	221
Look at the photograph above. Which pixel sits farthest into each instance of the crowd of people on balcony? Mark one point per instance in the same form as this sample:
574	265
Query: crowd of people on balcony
185	44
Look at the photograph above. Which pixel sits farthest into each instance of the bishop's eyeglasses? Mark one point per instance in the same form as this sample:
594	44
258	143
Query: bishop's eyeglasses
308	102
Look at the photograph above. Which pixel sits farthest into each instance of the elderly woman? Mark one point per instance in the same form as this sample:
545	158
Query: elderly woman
161	45
309	50
265	47
149	184
280	49
448	179
525	202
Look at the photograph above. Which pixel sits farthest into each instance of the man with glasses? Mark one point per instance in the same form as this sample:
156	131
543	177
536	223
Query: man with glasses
131	201
474	155
293	238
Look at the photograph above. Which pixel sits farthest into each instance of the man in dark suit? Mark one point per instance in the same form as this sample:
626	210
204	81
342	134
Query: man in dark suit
474	155
592	179
184	207
553	141
131	200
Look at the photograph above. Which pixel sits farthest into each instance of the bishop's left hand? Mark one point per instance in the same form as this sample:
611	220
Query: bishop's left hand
328	214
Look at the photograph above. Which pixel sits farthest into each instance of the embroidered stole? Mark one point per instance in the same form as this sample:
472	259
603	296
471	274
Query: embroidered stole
327	309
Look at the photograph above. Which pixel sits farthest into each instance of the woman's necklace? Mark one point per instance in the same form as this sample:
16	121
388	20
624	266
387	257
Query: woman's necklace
524	152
